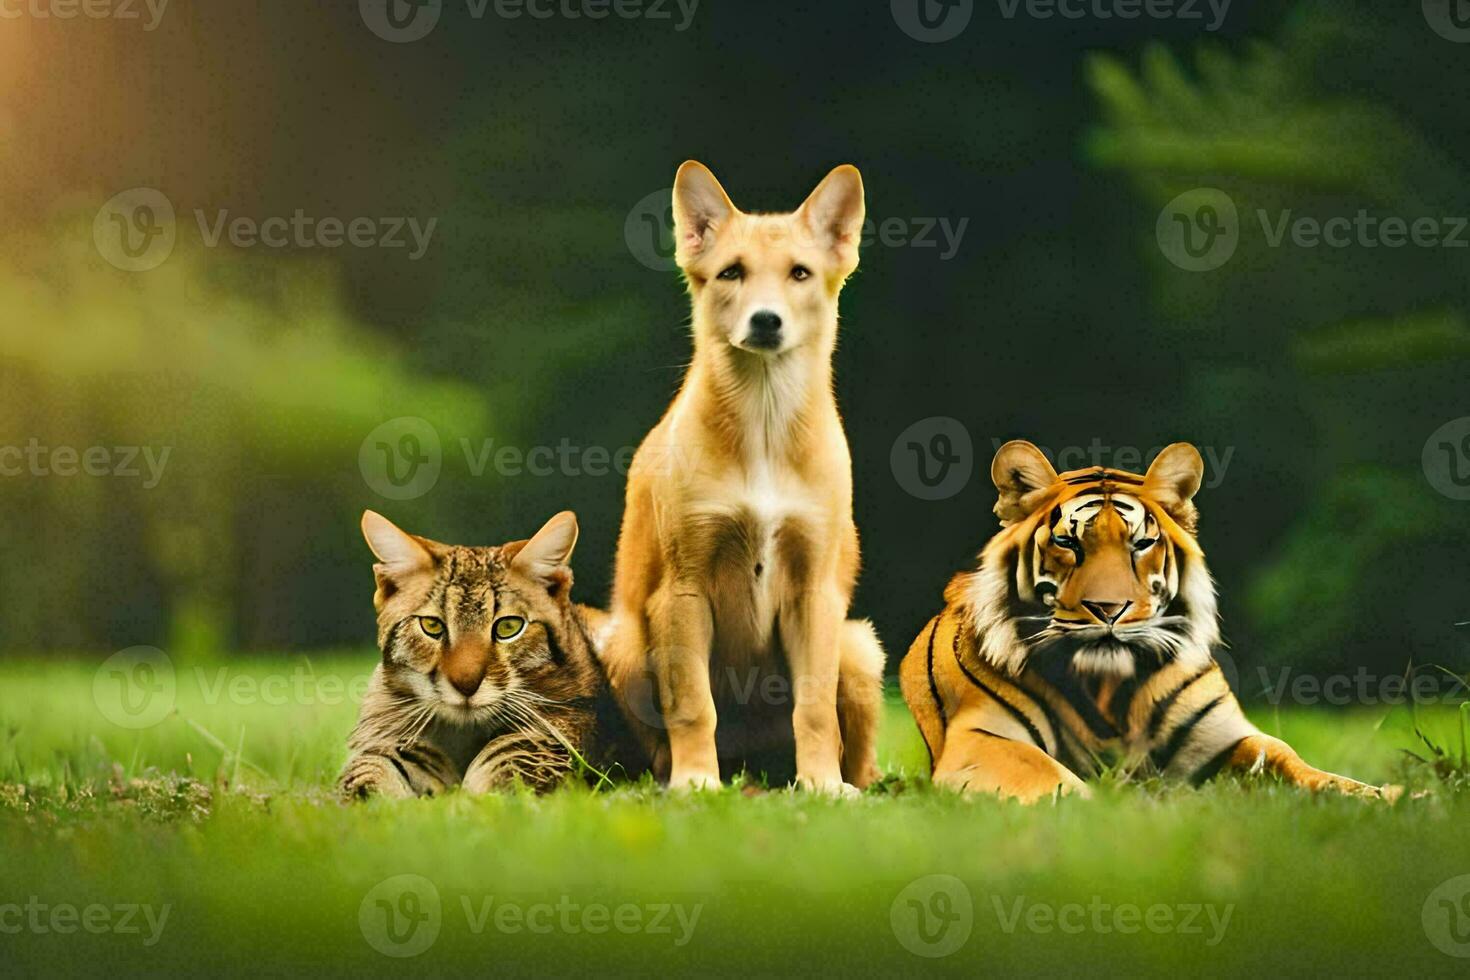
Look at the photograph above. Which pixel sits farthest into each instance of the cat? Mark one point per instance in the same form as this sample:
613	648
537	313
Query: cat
489	677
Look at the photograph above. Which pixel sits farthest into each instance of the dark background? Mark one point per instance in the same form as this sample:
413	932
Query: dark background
530	320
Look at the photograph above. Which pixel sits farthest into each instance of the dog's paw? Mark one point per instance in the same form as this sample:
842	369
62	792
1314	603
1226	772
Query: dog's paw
834	788
693	782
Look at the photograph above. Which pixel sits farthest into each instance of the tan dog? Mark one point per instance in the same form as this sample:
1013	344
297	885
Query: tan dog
738	554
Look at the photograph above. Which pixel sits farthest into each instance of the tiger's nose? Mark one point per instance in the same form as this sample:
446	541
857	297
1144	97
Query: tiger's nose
1108	612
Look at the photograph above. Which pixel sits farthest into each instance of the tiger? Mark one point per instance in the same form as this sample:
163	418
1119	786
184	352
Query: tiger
489	675
1084	638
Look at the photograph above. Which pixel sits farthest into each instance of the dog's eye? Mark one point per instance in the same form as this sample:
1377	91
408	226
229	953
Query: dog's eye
731	272
800	273
1143	544
432	626
509	627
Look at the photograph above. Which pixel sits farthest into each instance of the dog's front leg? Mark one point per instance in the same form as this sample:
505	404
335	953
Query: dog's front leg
811	621
681	632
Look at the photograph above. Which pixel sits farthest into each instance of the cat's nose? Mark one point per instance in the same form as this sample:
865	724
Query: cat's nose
465	676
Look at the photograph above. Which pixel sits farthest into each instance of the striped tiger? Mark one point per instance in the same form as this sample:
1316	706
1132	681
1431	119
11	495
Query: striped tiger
1083	639
489	676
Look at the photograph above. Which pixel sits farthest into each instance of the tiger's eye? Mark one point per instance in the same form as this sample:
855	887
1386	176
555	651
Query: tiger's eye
509	627
432	626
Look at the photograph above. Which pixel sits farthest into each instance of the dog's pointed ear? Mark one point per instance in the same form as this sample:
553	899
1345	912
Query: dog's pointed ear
834	214
547	556
1022	476
398	552
701	207
1173	479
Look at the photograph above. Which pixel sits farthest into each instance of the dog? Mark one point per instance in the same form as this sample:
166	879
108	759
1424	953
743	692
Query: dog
730	648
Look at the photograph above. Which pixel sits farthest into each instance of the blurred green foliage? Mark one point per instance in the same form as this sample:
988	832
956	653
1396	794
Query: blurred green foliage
1320	371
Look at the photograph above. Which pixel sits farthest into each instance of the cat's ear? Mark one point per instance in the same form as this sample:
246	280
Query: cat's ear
394	546
701	207
548	555
399	553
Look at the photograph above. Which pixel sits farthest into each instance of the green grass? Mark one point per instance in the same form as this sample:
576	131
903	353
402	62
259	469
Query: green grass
223	812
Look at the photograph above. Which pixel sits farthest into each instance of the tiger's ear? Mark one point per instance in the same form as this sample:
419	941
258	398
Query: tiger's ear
1021	475
834	213
1173	479
399	553
547	556
701	207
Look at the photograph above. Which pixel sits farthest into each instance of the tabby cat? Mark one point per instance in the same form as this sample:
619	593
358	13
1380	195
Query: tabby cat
489	675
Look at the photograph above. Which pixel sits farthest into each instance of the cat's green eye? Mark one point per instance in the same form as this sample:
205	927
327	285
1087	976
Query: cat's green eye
509	627
432	626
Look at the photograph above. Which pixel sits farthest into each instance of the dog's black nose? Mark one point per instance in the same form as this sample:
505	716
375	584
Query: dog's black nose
765	329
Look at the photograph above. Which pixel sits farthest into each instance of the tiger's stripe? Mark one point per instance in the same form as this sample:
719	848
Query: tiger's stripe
1021	688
